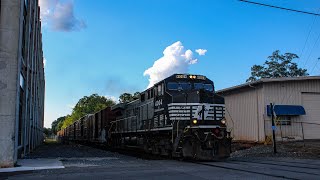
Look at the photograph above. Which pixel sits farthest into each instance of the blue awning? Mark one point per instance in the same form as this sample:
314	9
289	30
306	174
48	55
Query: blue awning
286	110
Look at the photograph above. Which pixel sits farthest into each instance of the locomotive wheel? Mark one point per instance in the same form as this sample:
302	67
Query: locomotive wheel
146	148
187	149
163	151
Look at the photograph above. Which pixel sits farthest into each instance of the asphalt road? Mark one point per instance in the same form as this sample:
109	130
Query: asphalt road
90	163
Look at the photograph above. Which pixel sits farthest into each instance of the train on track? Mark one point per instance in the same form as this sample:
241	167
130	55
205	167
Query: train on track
180	116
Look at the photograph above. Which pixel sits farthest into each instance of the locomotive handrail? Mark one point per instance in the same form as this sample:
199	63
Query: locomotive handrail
220	137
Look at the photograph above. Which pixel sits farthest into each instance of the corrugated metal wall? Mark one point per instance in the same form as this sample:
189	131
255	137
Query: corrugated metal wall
289	93
243	114
311	103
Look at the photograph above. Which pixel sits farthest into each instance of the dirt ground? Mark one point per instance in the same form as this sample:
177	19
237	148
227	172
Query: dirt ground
53	149
299	149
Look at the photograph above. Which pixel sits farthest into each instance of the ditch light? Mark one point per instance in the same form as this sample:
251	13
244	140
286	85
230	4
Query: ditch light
195	121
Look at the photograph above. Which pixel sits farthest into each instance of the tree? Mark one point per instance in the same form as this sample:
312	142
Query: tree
277	65
136	95
127	97
87	105
47	131
57	124
68	121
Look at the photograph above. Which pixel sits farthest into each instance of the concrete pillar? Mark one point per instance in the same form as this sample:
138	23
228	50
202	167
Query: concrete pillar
16	20
9	79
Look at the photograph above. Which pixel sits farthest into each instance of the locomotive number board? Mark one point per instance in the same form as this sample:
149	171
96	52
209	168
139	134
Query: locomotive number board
184	76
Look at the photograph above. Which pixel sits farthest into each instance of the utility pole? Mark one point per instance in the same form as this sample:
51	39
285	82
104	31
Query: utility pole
273	130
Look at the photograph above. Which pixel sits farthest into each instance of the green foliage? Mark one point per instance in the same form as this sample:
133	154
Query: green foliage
87	105
60	125
47	131
277	65
127	97
57	124
68	121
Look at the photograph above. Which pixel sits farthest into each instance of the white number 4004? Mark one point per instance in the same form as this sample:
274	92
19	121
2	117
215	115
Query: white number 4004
158	102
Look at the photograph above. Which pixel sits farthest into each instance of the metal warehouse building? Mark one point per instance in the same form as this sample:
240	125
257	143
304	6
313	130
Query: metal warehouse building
297	109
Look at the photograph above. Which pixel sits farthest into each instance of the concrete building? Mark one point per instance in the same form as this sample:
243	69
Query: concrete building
21	79
297	109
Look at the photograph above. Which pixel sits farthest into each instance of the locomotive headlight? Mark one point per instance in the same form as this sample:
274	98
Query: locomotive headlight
223	121
195	121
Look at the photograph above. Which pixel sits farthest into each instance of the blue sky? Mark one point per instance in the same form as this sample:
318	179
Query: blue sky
104	47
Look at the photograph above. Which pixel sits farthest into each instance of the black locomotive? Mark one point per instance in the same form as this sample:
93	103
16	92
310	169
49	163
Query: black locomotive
180	116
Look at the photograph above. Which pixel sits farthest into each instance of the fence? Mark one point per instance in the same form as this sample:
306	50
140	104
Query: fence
292	130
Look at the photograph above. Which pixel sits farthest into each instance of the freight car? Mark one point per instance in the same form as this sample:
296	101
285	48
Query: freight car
180	116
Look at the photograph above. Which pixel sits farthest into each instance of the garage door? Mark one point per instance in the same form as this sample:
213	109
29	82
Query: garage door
311	103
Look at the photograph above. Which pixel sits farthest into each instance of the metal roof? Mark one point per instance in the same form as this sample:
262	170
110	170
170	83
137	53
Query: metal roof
269	80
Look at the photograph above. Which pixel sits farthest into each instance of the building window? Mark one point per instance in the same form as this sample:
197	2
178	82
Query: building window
21	81
21	114
160	89
155	91
283	120
149	95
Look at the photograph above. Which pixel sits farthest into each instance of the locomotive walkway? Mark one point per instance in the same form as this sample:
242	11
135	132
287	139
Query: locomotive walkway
83	162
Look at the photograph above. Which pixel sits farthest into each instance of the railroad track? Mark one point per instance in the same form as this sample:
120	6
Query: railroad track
267	168
129	151
270	168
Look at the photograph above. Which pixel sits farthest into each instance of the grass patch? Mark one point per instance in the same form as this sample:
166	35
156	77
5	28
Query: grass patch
50	141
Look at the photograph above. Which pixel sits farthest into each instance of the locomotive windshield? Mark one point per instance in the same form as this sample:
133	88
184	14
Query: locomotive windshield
207	87
179	86
188	86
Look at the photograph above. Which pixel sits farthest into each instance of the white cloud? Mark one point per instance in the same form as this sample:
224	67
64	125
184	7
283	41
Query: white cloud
201	52
115	99
59	15
175	59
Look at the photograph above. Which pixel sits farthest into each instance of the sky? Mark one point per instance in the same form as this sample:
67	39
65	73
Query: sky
111	47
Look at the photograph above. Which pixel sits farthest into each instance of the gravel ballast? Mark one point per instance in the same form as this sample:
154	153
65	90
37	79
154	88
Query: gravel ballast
299	149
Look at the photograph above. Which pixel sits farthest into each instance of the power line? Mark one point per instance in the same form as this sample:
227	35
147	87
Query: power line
311	27
297	11
305	43
314	45
278	7
318	68
315	66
